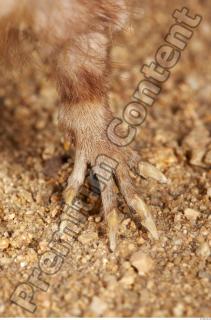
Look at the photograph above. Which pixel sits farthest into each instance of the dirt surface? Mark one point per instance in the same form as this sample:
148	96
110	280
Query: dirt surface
170	277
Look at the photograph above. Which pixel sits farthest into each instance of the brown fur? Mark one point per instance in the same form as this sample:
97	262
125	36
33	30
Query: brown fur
73	36
52	24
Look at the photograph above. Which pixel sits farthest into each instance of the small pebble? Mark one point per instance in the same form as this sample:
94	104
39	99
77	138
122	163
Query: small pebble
2	307
209	192
4	244
98	306
191	214
98	219
128	279
88	237
178	310
204	275
204	250
142	262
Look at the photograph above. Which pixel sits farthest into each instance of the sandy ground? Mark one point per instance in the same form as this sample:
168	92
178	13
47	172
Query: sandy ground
170	277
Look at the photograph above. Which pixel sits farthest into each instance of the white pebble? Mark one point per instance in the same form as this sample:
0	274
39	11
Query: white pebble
191	214
98	306
142	262
128	279
204	250
4	244
179	310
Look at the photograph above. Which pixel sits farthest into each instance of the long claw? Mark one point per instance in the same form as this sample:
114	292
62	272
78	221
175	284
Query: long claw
113	223
69	195
147	170
147	220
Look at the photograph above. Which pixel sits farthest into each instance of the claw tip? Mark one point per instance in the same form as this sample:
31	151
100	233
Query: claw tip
69	195
112	242
147	220
149	171
113	222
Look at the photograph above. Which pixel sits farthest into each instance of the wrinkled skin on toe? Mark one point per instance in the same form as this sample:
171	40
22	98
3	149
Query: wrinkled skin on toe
111	165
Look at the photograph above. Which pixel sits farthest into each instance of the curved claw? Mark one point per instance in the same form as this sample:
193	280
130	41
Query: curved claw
147	170
147	221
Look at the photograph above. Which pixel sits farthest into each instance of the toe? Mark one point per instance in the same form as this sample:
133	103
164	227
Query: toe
135	202
147	170
109	199
146	218
76	179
